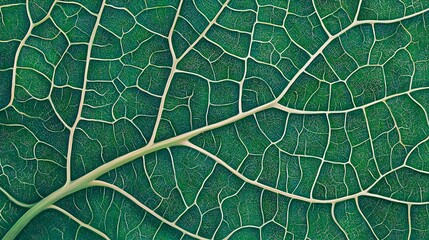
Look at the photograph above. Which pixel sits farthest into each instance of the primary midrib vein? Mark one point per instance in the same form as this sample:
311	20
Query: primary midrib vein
85	181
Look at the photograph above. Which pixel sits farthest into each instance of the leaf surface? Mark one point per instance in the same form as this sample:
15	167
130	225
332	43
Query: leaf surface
192	119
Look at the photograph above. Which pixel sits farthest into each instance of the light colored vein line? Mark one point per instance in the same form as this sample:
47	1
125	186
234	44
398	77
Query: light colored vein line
392	20
170	77
365	218
410	229
358	10
390	199
21	45
170	34
82	97
307	222
321	20
14	200
79	5
18	51
177	60
241	228
203	34
314	56
11	5
297	197
331	38
241	83
97	183
87	226
336	221
260	185
119	161
84	180
299	111
403	165
371	142
417	170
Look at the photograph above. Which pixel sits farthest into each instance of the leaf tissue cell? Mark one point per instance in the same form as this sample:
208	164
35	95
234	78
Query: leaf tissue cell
214	119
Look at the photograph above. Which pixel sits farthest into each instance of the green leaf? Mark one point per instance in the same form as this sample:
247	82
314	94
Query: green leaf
205	119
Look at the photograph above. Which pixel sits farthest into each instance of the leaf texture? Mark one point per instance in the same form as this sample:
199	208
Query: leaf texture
214	119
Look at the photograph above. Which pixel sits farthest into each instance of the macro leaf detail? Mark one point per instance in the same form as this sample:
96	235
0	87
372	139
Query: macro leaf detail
214	119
